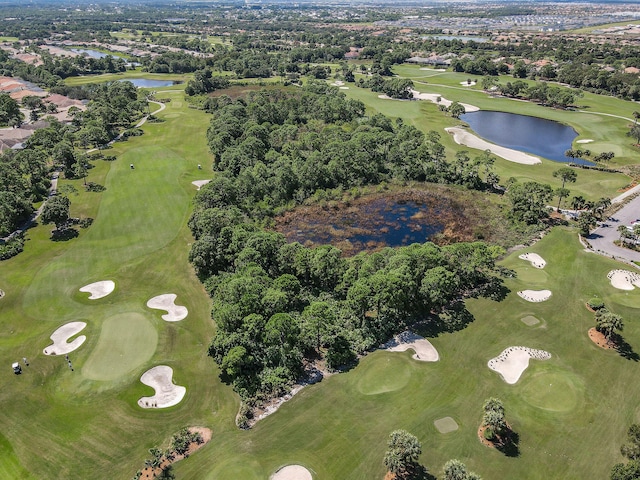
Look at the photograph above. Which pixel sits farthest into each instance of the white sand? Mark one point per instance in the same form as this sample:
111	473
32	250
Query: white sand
535	295
466	84
464	137
167	394
99	289
584	140
175	313
200	183
427	69
433	97
513	361
60	337
292	472
535	259
337	83
624	279
344	88
425	352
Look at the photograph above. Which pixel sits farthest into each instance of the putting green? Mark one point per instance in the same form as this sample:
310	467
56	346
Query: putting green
554	391
628	299
384	373
126	341
531	274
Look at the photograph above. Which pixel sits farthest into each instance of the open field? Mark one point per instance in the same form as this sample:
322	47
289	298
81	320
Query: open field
62	424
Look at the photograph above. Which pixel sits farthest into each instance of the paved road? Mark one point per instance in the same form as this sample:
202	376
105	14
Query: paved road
602	238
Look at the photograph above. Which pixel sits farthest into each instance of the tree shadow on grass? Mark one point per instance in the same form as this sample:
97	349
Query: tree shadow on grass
509	446
419	472
64	235
625	350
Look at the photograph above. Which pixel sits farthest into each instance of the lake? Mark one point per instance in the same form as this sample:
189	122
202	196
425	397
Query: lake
146	83
538	136
94	53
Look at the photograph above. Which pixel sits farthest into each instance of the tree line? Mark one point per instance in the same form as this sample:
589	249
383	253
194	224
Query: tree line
278	304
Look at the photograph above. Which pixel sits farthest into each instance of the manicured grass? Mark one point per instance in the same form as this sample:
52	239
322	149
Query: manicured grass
608	133
571	411
562	408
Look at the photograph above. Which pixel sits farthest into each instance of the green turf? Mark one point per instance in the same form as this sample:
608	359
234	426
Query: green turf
391	376
126	342
61	424
530	320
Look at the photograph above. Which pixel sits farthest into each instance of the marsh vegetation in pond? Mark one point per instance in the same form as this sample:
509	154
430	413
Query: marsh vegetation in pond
379	220
538	136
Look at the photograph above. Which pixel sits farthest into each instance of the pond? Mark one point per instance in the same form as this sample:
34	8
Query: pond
93	53
146	83
375	221
534	135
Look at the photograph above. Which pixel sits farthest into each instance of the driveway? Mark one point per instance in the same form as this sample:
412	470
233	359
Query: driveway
602	238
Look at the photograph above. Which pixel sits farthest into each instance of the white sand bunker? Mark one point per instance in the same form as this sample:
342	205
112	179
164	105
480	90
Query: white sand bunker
440	100
60	337
535	259
427	69
175	313
464	137
513	361
535	295
584	140
425	352
167	394
99	289
446	425
1	293
292	472
200	183
468	84
624	279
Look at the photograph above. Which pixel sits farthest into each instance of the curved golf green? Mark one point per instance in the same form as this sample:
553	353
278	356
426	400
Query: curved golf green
554	391
385	373
529	274
126	342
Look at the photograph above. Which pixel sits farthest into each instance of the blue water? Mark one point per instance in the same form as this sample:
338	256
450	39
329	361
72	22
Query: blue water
377	224
145	83
538	136
94	53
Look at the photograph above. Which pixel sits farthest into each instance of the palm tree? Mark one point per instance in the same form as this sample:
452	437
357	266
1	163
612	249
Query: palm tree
608	322
561	193
624	232
403	452
578	202
566	174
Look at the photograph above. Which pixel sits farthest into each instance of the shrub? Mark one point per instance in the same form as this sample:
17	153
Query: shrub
489	434
12	247
595	303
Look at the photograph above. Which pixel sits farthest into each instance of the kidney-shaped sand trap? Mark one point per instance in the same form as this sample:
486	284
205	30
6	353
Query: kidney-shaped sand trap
513	361
425	352
624	279
167	394
292	472
535	259
99	289
60	337
200	183
175	313
535	295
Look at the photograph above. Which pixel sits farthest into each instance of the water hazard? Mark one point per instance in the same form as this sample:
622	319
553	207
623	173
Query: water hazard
538	136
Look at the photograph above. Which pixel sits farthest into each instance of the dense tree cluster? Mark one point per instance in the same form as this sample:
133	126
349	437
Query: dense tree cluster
392	87
275	303
630	450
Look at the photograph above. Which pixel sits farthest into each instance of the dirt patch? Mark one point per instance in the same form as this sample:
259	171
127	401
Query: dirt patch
205	433
377	220
600	340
